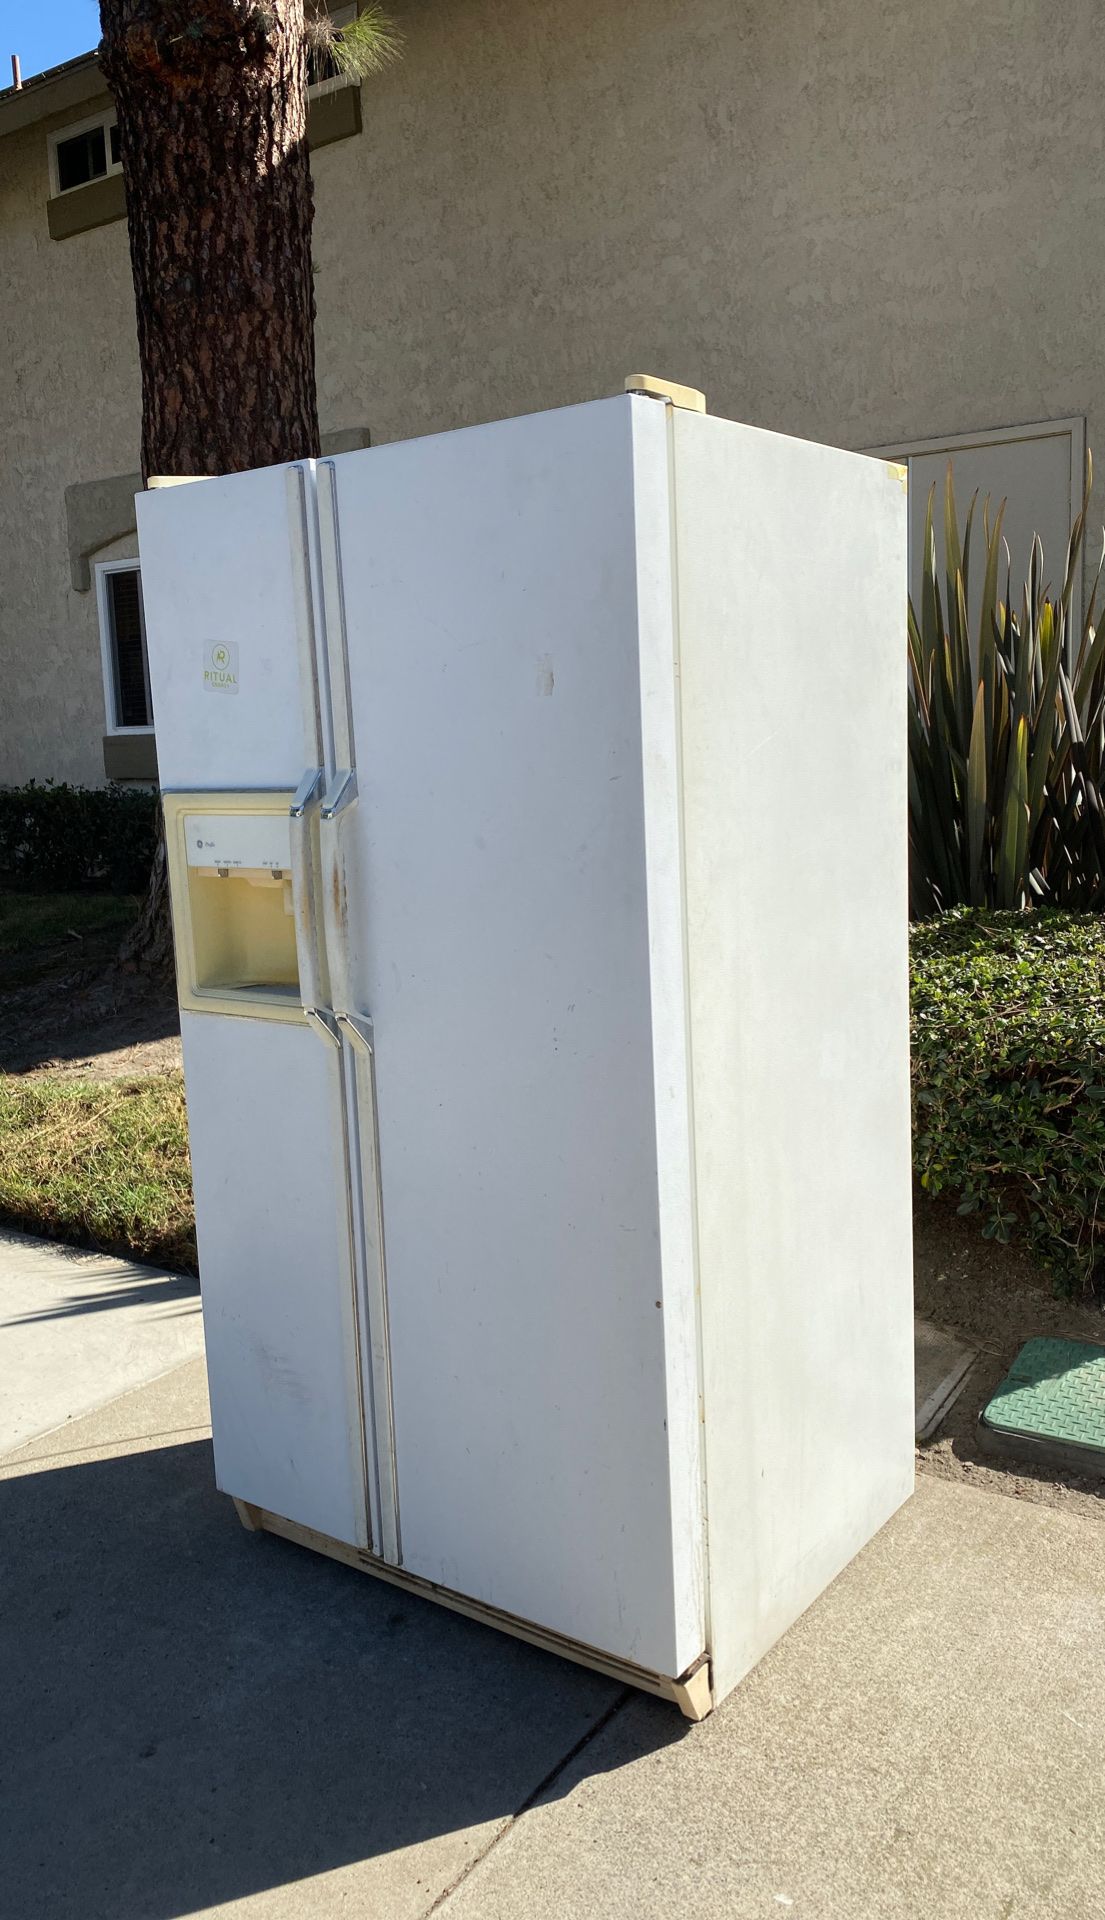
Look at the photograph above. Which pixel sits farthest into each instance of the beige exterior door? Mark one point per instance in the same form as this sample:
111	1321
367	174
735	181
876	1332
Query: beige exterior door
1037	470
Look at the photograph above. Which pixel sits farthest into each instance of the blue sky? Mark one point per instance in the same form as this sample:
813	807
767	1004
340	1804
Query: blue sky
45	32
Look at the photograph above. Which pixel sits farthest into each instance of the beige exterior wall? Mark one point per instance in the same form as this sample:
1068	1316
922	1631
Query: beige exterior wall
858	223
68	411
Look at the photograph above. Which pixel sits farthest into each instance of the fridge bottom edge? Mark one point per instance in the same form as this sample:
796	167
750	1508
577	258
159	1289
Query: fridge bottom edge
691	1691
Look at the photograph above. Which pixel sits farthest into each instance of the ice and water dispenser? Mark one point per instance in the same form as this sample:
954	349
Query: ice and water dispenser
230	862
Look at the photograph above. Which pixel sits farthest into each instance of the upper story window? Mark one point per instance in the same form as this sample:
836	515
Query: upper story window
323	73
85	152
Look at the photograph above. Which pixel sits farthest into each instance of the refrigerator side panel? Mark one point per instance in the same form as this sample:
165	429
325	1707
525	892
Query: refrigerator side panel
220	603
792	584
501	945
265	1131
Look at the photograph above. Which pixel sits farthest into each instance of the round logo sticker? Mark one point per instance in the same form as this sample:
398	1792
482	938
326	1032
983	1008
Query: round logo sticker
220	667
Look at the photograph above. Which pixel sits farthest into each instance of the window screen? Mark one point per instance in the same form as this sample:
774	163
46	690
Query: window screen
127	649
321	65
81	158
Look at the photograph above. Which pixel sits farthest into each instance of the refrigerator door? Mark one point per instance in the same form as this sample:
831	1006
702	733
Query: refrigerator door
267	1142
230	631
510	870
227	569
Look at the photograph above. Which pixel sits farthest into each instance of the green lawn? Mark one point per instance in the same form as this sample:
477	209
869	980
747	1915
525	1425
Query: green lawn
101	1163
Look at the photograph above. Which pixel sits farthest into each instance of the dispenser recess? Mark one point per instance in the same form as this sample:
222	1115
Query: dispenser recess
233	912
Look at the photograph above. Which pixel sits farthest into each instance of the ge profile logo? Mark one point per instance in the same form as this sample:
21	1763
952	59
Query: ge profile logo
220	666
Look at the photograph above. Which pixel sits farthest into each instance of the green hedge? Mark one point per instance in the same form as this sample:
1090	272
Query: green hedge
1008	1024
57	839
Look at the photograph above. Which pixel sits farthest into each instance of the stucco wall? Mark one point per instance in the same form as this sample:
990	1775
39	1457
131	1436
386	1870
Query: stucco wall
861	222
68	411
857	222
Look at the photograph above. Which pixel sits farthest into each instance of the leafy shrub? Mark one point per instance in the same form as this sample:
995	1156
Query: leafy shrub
1006	730
1008	1029
58	839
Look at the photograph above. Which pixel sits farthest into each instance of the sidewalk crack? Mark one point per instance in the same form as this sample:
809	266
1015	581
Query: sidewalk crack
531	1799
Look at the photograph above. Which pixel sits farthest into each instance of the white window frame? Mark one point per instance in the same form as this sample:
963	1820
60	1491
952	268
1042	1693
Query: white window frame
1074	424
107	663
107	119
341	17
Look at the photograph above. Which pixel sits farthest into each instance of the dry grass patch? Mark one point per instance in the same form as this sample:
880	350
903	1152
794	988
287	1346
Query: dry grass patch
100	1163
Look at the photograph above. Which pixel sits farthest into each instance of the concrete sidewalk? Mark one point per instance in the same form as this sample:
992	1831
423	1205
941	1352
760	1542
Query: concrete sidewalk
926	1743
200	1721
76	1329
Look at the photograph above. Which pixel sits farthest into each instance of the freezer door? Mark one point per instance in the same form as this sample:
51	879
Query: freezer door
499	937
266	1134
229	629
241	704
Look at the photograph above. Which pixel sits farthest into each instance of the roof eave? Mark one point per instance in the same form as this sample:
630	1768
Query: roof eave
54	91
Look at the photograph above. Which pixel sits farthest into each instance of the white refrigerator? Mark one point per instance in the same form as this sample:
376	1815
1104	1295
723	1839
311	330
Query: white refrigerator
535	799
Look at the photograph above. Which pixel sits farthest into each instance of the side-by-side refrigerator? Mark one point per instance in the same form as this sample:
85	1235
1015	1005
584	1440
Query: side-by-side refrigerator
535	808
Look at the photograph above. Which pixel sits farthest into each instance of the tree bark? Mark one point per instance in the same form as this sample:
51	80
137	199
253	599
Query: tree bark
212	104
211	98
147	947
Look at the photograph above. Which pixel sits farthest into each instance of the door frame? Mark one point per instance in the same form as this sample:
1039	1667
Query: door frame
1073	425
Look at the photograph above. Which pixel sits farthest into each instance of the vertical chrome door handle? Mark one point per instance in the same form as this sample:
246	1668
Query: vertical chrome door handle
355	1027
342	853
339	797
304	905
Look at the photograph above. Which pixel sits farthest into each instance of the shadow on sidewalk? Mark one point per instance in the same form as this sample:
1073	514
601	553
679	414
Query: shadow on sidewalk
137	1287
193	1714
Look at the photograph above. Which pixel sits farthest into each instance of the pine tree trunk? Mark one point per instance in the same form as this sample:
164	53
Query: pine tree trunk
148	946
212	107
212	104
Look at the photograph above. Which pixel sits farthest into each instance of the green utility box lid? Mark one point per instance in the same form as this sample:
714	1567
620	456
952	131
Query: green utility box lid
1051	1405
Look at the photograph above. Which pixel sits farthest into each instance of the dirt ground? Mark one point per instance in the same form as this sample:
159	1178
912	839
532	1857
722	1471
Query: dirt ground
106	1026
995	1298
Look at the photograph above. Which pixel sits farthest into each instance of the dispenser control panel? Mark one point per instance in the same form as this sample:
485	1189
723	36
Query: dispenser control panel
236	841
